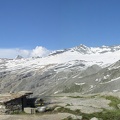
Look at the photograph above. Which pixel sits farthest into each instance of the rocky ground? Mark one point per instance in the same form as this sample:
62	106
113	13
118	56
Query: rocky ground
86	104
103	106
57	116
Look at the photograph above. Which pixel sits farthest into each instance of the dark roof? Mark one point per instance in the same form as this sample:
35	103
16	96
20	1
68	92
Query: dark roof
11	96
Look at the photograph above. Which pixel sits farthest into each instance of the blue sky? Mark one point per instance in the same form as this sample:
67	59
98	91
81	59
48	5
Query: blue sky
58	24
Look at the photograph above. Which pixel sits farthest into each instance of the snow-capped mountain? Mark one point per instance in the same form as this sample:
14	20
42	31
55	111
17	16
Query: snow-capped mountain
79	69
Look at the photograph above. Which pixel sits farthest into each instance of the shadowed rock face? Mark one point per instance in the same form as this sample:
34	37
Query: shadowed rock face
62	78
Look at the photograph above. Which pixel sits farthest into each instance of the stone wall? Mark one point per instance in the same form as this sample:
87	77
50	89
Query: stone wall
14	106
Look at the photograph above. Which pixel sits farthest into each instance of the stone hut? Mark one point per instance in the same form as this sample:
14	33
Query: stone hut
13	102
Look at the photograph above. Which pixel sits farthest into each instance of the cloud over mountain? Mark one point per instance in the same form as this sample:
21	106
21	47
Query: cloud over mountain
13	52
39	51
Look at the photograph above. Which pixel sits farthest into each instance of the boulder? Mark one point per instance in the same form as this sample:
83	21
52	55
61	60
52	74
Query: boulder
118	106
41	109
94	118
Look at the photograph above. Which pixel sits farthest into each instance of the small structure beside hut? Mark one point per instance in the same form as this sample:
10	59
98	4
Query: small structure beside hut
13	102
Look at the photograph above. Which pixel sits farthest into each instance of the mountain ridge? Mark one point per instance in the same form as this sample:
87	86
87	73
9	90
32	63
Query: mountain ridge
80	69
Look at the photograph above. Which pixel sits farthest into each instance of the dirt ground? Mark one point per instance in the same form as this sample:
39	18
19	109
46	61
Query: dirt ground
58	116
85	103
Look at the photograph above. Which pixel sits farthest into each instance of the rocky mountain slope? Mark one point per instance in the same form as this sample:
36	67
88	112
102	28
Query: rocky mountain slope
80	69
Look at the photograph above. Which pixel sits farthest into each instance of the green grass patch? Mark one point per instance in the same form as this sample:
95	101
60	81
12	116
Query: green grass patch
92	96
76	97
70	118
18	113
105	115
68	105
72	89
67	110
114	101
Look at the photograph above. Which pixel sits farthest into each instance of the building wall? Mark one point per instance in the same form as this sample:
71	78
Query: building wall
24	102
14	106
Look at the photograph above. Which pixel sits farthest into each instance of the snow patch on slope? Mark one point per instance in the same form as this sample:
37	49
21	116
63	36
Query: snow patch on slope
102	56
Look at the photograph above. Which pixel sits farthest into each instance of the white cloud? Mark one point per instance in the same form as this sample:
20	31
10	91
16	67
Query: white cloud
12	53
39	51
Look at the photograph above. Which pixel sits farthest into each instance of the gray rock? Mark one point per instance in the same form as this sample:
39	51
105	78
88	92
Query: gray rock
76	117
41	109
19	57
118	106
56	108
94	118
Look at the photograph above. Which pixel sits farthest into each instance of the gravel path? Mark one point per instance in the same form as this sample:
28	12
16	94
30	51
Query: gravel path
58	116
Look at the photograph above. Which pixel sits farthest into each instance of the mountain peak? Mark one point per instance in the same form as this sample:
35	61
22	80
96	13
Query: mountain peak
82	49
18	57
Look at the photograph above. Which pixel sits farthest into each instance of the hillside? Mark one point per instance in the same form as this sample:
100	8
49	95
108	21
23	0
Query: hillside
80	69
